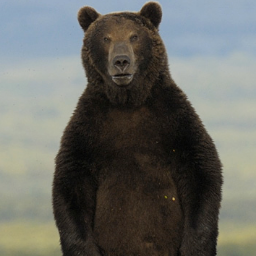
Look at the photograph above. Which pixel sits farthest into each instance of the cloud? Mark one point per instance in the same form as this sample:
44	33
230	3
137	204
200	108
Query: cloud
41	75
222	88
222	79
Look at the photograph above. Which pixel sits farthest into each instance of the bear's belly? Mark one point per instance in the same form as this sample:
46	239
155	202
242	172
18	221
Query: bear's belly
138	210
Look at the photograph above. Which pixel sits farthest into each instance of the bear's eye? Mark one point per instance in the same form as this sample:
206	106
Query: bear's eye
133	38
106	39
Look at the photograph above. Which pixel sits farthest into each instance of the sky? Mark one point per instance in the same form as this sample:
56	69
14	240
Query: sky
212	54
33	29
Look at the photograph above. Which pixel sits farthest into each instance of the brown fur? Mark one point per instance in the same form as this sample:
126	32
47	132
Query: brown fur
136	173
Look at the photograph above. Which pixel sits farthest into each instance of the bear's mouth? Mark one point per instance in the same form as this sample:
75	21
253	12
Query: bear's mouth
122	79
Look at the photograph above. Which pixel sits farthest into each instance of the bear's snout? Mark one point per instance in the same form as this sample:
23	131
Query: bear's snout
121	62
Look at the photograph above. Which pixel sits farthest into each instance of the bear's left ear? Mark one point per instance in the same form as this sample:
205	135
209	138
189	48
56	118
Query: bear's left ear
86	16
153	12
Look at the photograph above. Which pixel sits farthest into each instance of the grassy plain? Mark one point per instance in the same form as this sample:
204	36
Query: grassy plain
25	238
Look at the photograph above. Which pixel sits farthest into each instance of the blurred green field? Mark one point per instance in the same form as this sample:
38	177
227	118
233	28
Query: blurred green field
237	239
41	239
29	239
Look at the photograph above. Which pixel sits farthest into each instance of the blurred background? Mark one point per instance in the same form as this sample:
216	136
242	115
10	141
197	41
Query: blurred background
212	55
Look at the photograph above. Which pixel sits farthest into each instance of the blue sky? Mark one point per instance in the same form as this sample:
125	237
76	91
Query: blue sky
31	29
212	52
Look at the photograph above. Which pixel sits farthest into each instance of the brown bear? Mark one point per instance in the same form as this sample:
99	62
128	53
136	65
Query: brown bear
136	173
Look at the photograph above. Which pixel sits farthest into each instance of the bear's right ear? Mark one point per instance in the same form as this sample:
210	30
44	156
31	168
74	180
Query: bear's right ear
86	16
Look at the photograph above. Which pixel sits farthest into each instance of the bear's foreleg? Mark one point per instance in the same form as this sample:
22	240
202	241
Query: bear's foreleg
199	179
74	197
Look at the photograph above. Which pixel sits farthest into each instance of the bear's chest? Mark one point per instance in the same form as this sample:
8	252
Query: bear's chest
130	130
132	143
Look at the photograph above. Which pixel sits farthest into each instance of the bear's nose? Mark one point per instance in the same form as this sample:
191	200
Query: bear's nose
121	62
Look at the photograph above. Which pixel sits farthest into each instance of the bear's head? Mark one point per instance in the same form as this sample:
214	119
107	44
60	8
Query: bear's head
123	54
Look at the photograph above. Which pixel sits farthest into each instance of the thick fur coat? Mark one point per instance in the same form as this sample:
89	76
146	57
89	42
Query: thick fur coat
136	173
